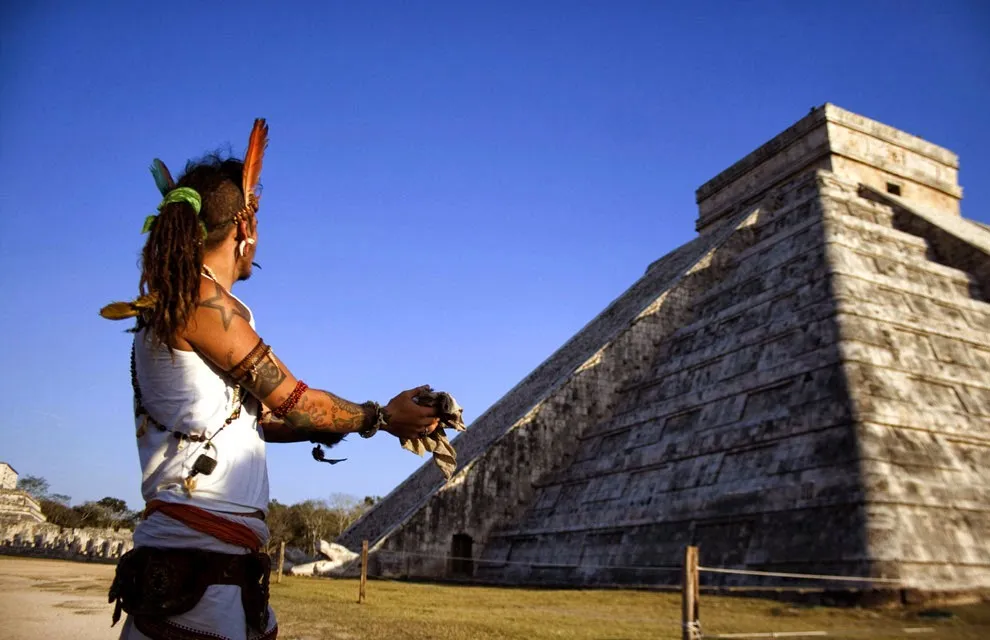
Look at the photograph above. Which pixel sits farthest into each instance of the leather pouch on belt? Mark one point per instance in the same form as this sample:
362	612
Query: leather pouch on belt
159	582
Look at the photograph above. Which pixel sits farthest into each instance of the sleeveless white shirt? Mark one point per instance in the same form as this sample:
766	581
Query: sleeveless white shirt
185	393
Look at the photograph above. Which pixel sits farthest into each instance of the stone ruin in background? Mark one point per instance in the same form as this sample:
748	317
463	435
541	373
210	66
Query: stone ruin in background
46	540
803	387
24	531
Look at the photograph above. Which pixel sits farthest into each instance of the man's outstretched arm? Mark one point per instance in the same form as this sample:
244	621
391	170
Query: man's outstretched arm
278	430
220	330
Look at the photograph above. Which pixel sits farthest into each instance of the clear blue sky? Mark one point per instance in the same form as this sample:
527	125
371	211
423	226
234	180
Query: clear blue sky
452	188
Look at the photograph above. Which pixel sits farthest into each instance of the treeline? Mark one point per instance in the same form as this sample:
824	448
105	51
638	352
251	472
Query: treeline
304	524
108	513
301	525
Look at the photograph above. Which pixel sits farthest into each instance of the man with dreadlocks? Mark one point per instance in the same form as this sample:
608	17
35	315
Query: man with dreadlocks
202	379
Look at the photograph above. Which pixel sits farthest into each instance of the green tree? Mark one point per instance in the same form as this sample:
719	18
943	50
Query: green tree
94	514
34	485
61	514
115	506
279	525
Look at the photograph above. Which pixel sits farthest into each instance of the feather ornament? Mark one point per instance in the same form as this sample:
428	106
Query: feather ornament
257	144
163	179
124	310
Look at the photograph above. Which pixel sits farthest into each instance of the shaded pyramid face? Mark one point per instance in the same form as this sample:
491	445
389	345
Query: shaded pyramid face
804	387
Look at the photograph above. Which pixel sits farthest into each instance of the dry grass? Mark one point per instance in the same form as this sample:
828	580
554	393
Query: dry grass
314	609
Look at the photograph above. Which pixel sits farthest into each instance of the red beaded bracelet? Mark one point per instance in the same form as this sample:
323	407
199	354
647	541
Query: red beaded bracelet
290	402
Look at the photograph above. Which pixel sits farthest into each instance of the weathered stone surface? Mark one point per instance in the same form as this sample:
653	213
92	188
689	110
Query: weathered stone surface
804	387
335	558
19	506
51	541
15	505
8	476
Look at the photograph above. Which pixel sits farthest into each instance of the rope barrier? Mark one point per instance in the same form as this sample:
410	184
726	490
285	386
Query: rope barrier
725	570
549	565
691	629
773	634
809	576
831	633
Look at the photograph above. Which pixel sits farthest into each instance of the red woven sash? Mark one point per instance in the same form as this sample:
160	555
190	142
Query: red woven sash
206	522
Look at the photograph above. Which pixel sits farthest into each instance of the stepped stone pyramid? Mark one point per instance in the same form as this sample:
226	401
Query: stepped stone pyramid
803	387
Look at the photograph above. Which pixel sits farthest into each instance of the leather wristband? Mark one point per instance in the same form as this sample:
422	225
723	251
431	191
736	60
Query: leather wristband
375	419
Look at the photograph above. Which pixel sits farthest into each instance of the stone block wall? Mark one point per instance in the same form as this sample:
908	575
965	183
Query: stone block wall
47	540
738	438
8	477
19	505
915	340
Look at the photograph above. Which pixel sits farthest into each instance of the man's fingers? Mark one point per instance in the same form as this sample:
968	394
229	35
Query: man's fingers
425	412
421	425
413	392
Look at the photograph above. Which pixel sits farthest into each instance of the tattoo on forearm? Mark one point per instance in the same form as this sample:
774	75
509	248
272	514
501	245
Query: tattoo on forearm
227	306
323	411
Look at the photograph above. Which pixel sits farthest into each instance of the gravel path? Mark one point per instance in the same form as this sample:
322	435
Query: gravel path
55	599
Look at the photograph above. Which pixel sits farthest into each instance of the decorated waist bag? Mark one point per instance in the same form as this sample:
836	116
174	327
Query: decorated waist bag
158	583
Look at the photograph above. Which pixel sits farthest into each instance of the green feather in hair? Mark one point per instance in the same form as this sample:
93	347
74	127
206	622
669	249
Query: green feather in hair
163	179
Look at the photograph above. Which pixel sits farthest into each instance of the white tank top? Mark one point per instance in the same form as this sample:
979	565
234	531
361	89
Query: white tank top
185	393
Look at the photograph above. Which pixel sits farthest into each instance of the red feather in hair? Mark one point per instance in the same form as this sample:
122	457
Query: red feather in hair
257	144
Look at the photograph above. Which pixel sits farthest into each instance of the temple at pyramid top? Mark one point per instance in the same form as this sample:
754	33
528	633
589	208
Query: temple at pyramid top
852	147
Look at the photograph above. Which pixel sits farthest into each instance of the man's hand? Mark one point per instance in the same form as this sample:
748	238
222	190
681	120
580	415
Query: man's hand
409	420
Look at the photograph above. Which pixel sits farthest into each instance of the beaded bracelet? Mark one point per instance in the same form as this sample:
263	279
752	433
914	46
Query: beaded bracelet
283	409
379	416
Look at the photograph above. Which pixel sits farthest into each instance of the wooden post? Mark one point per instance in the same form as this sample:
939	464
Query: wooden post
364	571
281	561
697	590
689	595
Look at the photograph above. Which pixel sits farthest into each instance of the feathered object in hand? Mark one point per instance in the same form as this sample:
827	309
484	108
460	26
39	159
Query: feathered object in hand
451	415
163	179
257	144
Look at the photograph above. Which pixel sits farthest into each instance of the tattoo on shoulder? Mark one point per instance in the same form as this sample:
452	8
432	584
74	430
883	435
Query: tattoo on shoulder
264	377
226	305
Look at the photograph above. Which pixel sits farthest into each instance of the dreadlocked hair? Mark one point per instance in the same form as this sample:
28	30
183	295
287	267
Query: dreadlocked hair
172	258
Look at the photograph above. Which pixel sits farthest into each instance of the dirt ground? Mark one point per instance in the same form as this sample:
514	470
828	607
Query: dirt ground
55	599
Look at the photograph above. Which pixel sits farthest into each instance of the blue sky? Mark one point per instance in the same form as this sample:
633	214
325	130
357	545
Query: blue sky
452	189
